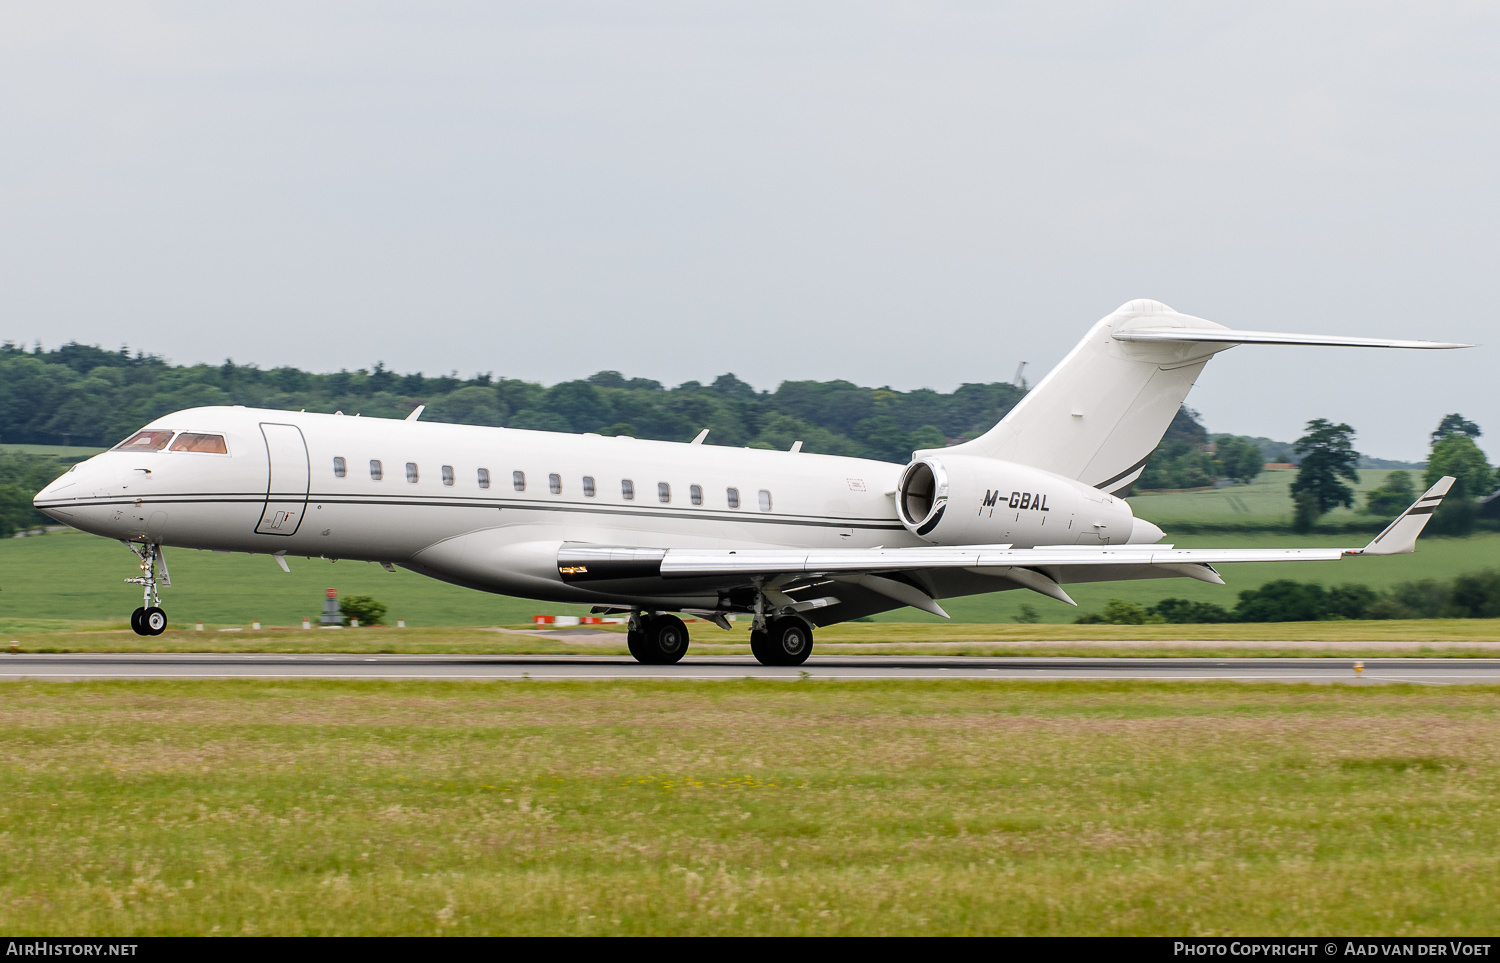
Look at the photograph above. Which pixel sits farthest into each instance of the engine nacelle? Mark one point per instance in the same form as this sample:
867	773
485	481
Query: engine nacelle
966	500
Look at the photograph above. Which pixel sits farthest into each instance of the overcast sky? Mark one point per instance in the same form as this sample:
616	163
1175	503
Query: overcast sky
909	194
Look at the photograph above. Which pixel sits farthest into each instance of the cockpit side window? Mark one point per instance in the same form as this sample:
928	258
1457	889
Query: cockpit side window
152	439
196	441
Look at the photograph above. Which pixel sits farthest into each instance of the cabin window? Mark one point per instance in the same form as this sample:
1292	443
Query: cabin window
448	475
588	486
663	492
194	441
554	484
484	478
627	489
695	492
153	440
375	473
765	500
340	469
734	497
411	472
518	480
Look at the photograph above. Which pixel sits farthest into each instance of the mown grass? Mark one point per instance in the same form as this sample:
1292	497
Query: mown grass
748	807
63	578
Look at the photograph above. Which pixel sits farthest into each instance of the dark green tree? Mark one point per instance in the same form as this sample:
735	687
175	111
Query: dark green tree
1391	498
1457	455
1455	424
1328	455
1282	601
580	403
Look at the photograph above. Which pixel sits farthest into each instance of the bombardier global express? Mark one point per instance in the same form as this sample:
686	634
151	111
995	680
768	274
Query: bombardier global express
655	529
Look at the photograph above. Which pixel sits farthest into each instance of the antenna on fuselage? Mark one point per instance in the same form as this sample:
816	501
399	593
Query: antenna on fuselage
416	413
1017	380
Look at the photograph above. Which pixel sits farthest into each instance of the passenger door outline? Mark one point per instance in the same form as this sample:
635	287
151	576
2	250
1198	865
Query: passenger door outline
288	479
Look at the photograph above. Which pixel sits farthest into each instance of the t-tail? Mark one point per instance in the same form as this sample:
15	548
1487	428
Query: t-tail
1099	414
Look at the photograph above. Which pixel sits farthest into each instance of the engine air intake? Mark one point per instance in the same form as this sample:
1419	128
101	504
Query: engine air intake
922	495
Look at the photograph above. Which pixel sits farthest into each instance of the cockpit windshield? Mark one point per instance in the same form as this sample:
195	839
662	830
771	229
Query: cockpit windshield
152	439
195	441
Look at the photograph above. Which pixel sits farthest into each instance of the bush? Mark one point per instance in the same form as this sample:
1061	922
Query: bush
1120	612
364	608
1477	595
1183	612
1282	601
1427	599
1392	498
1350	601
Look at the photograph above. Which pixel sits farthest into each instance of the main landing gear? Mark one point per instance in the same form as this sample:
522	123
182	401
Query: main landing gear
784	641
659	639
149	619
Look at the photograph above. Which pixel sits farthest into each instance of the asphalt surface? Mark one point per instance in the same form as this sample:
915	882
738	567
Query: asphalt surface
345	666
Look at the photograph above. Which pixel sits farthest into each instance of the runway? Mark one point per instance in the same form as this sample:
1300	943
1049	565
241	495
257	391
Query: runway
80	666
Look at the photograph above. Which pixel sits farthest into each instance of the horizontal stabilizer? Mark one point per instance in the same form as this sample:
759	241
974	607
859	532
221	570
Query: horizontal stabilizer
1400	536
1229	336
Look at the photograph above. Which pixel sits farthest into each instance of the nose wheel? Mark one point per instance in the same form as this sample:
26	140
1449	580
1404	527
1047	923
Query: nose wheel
149	619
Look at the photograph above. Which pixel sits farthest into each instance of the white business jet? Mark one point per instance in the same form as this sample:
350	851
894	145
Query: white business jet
652	528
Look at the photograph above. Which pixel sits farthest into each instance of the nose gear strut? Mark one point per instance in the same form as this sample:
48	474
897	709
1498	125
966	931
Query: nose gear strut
149	619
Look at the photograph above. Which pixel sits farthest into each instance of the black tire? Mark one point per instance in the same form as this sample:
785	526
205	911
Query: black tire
638	649
137	621
760	647
667	638
663	640
154	621
791	641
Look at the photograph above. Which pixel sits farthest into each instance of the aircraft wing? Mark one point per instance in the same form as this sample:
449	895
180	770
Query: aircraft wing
888	571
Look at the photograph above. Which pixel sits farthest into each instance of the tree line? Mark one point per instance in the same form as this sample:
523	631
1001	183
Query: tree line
1472	596
83	395
1328	460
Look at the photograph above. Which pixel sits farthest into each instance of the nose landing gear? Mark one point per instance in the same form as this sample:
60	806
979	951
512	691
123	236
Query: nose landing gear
149	619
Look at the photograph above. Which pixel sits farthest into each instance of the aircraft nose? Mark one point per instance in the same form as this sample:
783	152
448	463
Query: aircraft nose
72	491
63	486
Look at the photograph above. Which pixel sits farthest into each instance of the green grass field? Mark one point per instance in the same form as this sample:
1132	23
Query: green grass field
1264	502
748	808
62	579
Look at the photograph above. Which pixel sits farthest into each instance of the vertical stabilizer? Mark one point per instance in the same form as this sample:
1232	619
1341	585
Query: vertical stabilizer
1103	409
1100	413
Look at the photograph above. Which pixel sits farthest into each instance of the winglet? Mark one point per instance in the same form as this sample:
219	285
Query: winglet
1400	536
